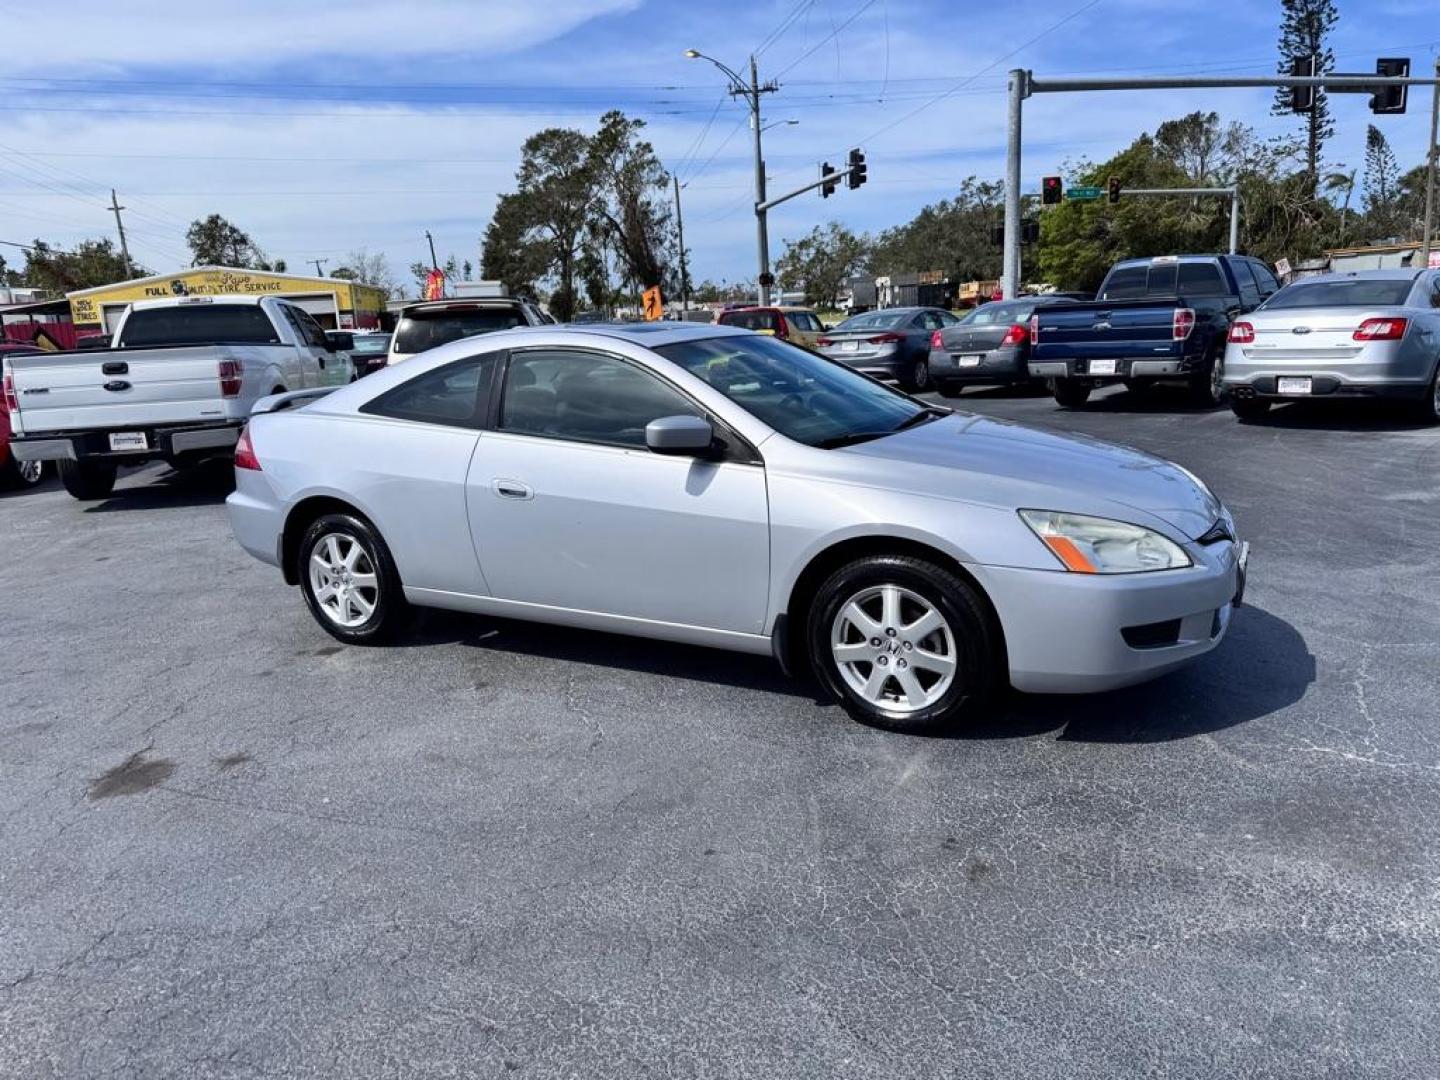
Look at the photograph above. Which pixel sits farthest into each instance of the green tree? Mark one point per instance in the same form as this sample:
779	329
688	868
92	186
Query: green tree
214	241
1304	27
1382	185
823	262
88	264
511	253
630	200
952	235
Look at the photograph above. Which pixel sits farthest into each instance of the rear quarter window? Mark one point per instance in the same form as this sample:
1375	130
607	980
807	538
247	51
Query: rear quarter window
1124	283
1201	279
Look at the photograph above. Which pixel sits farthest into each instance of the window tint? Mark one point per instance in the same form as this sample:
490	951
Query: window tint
1245	280
199	324
585	397
429	329
872	320
1353	292
993	314
456	395
1201	279
312	333
1124	283
750	320
1264	278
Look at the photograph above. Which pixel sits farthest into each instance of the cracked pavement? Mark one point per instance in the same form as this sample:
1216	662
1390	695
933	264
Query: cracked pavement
230	847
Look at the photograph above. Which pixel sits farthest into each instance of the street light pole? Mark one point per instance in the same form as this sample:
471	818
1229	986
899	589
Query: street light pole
1426	243
680	230
1019	91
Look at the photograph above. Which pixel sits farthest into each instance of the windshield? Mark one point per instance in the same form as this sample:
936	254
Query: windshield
421	330
801	395
874	320
751	320
198	324
999	314
371	343
1354	292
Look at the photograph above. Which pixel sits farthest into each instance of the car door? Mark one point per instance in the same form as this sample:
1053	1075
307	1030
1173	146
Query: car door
303	370
568	509
331	368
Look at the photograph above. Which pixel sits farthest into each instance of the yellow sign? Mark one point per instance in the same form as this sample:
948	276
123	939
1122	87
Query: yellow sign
654	305
87	306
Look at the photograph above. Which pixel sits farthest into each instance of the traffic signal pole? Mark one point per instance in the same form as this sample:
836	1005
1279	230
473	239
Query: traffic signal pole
1023	84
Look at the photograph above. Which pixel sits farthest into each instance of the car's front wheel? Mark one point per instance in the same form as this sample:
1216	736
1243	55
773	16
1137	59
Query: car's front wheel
903	643
349	580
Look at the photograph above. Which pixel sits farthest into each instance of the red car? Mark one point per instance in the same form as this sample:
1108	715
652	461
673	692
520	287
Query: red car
15	473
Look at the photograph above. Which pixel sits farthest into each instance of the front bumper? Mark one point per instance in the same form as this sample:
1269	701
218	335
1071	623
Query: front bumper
161	442
1075	633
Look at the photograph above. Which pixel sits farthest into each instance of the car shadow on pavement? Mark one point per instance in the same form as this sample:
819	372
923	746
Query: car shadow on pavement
1160	398
1356	416
1262	666
203	485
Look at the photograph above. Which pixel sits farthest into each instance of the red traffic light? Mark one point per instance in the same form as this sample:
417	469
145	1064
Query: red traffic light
1052	190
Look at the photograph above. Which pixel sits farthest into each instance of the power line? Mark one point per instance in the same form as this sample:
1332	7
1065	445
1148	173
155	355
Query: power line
774	35
833	33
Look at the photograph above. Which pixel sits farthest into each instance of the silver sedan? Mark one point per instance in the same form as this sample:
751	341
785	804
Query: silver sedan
1369	334
723	488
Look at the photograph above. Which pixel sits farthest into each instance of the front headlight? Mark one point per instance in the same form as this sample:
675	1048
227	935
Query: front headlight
1091	545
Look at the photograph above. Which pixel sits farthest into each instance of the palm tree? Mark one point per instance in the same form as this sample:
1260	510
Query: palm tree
1338	181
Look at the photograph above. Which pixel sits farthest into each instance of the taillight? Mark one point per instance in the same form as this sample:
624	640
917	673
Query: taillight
1381	330
1241	333
937	340
230	372
824	341
245	453
12	403
885	339
1016	335
1183	323
1034	329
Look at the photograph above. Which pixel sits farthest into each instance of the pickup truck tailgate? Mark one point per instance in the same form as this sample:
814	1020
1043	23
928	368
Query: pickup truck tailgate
1104	330
119	388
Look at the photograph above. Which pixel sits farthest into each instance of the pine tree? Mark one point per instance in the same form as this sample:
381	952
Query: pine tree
1382	183
1303	29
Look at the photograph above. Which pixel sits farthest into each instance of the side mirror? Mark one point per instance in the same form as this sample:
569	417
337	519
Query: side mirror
690	435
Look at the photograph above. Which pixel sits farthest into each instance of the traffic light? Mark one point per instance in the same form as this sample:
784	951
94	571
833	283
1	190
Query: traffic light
1114	188
1029	231
1392	98
857	170
1302	98
1052	190
827	189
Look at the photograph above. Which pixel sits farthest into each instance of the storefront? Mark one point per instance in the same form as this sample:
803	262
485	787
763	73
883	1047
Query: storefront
336	303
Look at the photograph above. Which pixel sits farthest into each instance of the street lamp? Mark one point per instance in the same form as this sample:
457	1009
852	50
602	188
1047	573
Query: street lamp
751	93
779	123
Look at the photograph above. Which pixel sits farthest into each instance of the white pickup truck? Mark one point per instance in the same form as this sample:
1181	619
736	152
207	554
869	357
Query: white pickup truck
177	383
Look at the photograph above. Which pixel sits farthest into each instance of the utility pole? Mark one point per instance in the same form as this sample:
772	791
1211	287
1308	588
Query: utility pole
120	225
318	271
434	263
1427	244
680	230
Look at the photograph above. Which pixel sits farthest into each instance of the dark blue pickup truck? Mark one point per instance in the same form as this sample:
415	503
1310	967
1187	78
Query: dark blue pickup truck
1156	319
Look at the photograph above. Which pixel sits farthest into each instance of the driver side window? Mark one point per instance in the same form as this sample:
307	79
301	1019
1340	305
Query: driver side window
585	397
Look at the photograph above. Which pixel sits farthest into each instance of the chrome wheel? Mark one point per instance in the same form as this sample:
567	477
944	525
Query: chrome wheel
343	580
30	472
922	375
893	648
1217	378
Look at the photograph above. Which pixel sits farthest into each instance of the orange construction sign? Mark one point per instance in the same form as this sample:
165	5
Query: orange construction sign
654	304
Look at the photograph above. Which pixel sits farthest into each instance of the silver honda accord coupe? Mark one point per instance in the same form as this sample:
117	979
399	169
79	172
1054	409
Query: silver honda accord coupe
719	487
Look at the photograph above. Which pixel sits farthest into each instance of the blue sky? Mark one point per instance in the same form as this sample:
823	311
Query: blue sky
324	127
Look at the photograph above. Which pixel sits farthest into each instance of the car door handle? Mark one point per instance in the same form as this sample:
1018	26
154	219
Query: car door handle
512	489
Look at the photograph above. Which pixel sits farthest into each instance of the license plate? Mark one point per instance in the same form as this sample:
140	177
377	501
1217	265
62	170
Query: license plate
849	346
1103	367
129	440
971	361
1293	385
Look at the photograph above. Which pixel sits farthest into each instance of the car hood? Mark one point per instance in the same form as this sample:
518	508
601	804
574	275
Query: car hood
1003	464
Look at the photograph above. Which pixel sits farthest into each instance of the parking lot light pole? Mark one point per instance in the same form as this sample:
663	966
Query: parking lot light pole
1010	273
1427	244
751	93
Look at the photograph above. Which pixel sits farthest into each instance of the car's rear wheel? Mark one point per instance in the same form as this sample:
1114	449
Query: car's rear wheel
1071	393
1249	408
88	480
903	643
349	580
918	377
21	474
1430	406
1207	382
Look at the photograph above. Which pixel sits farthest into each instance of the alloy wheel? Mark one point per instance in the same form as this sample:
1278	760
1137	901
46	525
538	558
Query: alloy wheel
1217	378
343	580
894	648
31	472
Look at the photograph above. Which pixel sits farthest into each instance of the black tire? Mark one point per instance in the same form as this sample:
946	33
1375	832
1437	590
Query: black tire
976	648
385	598
1249	408
950	390
88	480
21	474
917	378
1139	387
1429	408
1071	393
1206	388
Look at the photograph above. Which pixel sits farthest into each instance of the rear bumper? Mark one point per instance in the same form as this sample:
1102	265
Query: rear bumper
1073	633
1255	376
995	366
1324	386
1126	367
880	365
256	517
161	442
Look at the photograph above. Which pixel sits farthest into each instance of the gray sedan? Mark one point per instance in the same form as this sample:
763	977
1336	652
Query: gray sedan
724	488
1370	334
988	347
891	344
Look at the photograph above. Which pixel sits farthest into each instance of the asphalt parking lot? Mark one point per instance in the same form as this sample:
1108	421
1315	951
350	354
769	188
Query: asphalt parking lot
230	847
